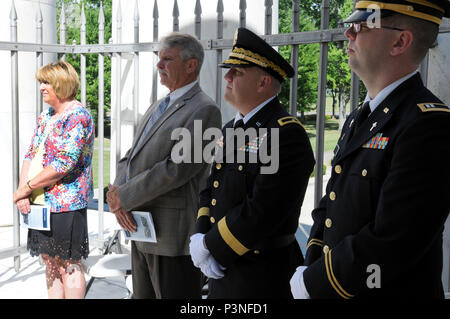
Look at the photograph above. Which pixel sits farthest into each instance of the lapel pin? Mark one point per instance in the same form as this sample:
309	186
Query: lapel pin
373	126
386	110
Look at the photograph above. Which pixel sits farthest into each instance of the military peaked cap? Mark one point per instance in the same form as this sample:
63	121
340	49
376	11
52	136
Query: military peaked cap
250	50
429	10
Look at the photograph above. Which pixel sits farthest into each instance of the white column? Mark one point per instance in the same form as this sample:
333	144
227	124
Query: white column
26	25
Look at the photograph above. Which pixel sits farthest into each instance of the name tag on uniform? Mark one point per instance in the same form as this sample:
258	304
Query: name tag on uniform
378	142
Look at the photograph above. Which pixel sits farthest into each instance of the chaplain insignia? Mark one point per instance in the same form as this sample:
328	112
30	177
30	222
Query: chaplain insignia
378	142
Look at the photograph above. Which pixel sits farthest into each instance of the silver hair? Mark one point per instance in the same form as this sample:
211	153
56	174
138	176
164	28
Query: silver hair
190	47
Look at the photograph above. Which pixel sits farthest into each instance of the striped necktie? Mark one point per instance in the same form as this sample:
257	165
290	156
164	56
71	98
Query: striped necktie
153	118
155	115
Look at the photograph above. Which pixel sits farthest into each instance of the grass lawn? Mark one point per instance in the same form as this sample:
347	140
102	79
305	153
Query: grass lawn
106	156
331	128
331	133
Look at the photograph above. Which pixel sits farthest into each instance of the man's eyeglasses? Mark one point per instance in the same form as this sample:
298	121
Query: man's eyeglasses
358	26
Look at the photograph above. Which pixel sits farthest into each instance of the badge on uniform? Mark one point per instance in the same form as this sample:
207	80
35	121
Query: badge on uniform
378	142
253	145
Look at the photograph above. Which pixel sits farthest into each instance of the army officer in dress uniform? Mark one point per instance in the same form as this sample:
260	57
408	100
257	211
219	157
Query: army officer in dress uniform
248	218
377	232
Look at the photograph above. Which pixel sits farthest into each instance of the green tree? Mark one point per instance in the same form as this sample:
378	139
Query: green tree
338	71
312	8
338	78
73	23
308	57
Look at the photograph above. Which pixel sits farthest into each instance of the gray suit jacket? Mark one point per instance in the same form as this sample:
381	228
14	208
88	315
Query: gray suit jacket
157	184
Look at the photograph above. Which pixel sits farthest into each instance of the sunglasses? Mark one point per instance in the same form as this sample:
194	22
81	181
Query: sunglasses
358	26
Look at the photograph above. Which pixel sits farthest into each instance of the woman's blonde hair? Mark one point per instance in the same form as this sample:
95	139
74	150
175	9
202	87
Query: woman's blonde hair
62	77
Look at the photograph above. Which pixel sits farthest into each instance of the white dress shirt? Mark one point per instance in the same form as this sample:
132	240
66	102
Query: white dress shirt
384	93
175	95
250	114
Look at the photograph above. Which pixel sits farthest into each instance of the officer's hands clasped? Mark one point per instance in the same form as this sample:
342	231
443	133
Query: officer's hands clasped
202	258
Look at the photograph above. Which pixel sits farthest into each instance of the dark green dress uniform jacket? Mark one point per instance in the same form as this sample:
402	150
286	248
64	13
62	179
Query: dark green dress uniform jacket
250	218
378	230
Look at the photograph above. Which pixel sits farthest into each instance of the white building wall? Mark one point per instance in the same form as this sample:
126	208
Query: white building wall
26	26
439	84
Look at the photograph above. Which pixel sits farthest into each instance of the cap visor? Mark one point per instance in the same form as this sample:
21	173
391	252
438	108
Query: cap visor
358	16
230	63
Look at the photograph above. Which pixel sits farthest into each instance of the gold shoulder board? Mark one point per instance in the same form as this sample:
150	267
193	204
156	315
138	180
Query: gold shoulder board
289	119
430	107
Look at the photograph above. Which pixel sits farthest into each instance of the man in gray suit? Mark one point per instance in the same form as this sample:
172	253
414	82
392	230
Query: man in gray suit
148	179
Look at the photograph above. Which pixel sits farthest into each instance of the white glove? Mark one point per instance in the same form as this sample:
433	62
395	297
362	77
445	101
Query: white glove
212	269
199	253
298	288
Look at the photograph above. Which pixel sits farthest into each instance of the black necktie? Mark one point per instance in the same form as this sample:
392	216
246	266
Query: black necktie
362	115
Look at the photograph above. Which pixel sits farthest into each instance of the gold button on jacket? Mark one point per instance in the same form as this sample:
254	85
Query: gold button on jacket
333	196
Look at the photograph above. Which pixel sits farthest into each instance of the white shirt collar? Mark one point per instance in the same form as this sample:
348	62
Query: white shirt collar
175	95
383	94
250	114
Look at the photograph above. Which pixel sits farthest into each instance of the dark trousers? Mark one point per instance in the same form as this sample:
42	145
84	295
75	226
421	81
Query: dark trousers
263	276
164	277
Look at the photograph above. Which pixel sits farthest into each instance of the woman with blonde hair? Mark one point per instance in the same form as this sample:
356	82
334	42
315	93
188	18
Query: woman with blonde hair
57	172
